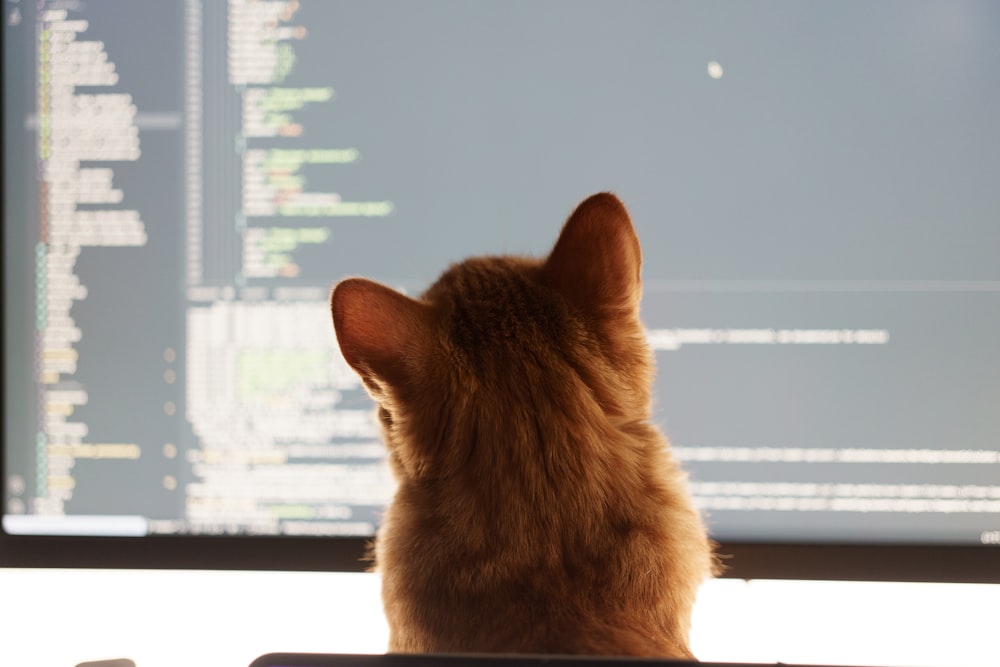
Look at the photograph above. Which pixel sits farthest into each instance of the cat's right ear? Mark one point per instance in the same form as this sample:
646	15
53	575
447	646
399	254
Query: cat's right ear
596	261
380	332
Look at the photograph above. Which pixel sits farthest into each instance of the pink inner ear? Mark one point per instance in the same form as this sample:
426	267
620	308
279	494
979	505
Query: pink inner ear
379	330
597	261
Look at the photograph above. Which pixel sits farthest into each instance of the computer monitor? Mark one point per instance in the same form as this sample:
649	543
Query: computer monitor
814	186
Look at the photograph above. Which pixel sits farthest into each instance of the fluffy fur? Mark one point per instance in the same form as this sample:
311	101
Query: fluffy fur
538	510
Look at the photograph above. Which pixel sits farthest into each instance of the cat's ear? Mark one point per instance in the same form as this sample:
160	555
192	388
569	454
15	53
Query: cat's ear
382	333
596	262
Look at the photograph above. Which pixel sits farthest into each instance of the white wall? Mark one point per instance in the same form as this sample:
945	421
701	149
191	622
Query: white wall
56	618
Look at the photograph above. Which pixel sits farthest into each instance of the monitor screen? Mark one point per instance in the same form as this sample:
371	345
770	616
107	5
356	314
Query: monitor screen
814	186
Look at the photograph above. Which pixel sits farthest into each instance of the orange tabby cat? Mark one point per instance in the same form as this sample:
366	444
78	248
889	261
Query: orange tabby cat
538	510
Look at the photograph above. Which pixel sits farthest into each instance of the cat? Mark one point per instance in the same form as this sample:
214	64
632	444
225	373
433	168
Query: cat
537	510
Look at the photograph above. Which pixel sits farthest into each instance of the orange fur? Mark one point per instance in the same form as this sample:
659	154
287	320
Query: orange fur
538	510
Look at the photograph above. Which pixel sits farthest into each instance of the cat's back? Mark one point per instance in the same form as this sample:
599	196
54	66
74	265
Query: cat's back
537	508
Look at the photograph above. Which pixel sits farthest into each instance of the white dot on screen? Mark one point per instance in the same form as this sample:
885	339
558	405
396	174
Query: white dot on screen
714	69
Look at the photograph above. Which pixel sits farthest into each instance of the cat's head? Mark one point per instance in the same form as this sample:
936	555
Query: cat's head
501	352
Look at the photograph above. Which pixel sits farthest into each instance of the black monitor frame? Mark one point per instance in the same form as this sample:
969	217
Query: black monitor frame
916	563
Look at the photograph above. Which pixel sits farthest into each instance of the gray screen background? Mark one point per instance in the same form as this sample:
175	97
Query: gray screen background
789	166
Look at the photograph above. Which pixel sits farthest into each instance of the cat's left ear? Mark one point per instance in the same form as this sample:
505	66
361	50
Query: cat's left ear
381	333
597	261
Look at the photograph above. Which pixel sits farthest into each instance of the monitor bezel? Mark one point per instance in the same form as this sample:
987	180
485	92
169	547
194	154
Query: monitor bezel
843	562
